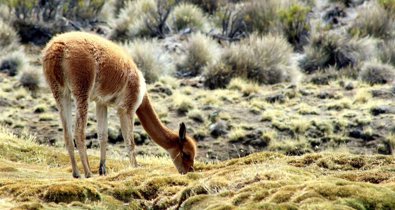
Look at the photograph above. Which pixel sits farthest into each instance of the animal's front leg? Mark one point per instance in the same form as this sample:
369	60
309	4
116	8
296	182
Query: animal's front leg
101	115
127	125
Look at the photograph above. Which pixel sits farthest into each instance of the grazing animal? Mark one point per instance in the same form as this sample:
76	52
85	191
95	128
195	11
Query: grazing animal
88	67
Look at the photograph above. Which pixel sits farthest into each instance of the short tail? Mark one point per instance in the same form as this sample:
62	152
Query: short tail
52	63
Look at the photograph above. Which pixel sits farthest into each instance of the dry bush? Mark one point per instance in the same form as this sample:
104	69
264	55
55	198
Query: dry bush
37	21
289	18
373	20
348	3
13	63
377	73
209	6
185	16
142	18
30	79
152	60
330	49
263	59
201	51
8	38
131	19
387	52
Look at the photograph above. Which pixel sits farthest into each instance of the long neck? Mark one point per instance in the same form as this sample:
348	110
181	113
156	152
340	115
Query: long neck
163	136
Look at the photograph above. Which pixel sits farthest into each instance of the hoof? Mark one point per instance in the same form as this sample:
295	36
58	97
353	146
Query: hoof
88	175
76	175
102	169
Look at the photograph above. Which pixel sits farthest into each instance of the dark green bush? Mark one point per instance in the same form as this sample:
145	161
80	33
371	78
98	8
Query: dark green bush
295	25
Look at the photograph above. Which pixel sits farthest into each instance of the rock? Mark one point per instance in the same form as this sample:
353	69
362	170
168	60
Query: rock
326	95
304	92
384	109
218	129
162	89
359	134
275	98
114	135
349	86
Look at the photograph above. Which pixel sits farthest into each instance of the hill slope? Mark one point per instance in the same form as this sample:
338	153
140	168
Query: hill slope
33	176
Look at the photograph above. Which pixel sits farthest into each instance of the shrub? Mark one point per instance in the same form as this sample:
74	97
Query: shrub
218	75
142	18
330	49
388	5
30	79
8	38
377	73
348	3
373	20
185	16
230	20
37	21
261	16
295	25
5	12
130	19
152	60
201	51
266	60
387	52
13	63
209	6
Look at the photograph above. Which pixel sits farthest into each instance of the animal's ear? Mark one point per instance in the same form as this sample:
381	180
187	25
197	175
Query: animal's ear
182	133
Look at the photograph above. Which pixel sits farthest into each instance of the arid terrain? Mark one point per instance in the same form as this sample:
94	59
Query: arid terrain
291	104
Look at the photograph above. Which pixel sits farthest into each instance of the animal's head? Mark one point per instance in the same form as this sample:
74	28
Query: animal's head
183	155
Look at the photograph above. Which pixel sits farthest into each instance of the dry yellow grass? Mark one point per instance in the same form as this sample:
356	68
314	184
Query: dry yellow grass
39	176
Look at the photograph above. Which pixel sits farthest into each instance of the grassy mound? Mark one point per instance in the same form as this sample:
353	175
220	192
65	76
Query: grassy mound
34	176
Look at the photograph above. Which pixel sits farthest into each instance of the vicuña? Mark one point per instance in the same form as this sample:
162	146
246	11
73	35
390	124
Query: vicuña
88	67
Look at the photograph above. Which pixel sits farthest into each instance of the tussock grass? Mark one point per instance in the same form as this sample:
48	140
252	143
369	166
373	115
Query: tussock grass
377	73
186	15
263	59
332	50
152	60
373	20
201	51
8	38
13	63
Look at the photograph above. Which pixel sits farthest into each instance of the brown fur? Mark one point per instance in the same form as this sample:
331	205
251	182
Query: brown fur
91	68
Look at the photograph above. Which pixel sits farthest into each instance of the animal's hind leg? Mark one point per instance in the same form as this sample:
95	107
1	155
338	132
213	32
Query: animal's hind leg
64	104
79	133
